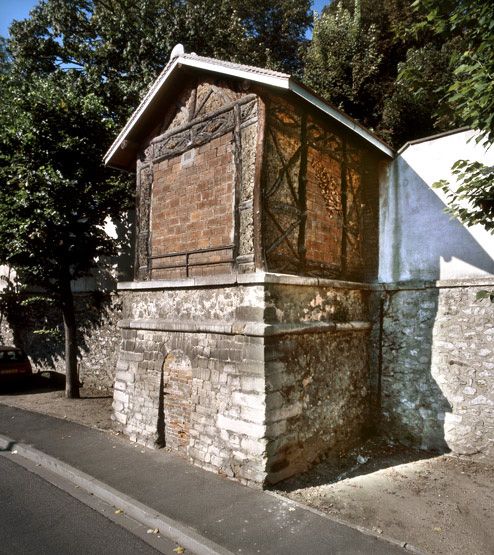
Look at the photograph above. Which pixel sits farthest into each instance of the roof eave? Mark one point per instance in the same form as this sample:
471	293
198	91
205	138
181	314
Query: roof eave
135	117
342	118
273	81
278	81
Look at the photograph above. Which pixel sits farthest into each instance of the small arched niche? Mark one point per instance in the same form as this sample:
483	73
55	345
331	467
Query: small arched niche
174	417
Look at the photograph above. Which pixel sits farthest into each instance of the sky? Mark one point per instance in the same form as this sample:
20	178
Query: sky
19	9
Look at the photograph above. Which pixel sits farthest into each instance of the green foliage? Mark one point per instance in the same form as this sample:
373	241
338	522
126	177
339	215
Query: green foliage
4	56
472	201
482	295
414	109
275	30
342	62
471	92
353	61
37	299
121	46
407	69
52	202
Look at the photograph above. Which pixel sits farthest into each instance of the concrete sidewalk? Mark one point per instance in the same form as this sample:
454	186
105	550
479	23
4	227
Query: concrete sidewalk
200	510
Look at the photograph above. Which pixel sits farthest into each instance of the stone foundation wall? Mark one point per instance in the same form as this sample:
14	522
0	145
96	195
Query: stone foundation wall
437	374
317	404
209	408
253	380
317	378
37	328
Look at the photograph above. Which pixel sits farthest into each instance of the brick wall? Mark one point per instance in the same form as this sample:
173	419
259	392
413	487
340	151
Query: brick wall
319	197
177	400
193	209
324	232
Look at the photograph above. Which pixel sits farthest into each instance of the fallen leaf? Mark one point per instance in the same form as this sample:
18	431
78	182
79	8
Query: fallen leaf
179	549
118	511
437	529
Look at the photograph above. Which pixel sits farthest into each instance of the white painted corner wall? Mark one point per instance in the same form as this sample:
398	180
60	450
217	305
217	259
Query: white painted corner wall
418	240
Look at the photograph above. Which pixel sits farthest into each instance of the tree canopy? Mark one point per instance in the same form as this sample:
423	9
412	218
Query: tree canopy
53	205
354	55
121	46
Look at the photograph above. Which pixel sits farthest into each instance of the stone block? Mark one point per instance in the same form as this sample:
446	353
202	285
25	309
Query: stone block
253	447
121	396
252	414
253	383
120	385
241	427
120	417
252	400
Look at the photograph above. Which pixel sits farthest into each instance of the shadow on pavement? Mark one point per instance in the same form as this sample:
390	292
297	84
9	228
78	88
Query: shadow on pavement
375	454
43	382
40	382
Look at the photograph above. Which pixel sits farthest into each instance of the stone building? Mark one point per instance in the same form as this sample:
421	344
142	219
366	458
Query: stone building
262	331
245	331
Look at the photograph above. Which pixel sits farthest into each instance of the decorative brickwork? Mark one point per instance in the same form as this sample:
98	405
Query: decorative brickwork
320	198
143	202
198	219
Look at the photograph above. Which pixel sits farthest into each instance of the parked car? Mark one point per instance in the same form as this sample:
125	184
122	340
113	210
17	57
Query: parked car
14	364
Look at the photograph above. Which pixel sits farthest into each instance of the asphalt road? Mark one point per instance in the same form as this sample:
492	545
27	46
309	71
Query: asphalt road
38	518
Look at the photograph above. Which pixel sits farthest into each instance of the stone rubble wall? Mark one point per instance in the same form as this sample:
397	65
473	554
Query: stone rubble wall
317	379
317	404
437	374
97	314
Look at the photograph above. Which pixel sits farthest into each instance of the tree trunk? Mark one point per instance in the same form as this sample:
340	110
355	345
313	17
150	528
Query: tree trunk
68	312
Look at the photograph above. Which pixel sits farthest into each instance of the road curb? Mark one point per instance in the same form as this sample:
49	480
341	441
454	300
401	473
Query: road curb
182	534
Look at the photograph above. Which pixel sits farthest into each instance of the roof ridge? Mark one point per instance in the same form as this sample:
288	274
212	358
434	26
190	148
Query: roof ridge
246	67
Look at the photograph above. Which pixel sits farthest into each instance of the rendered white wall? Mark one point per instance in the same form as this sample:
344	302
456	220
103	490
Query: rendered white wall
418	240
